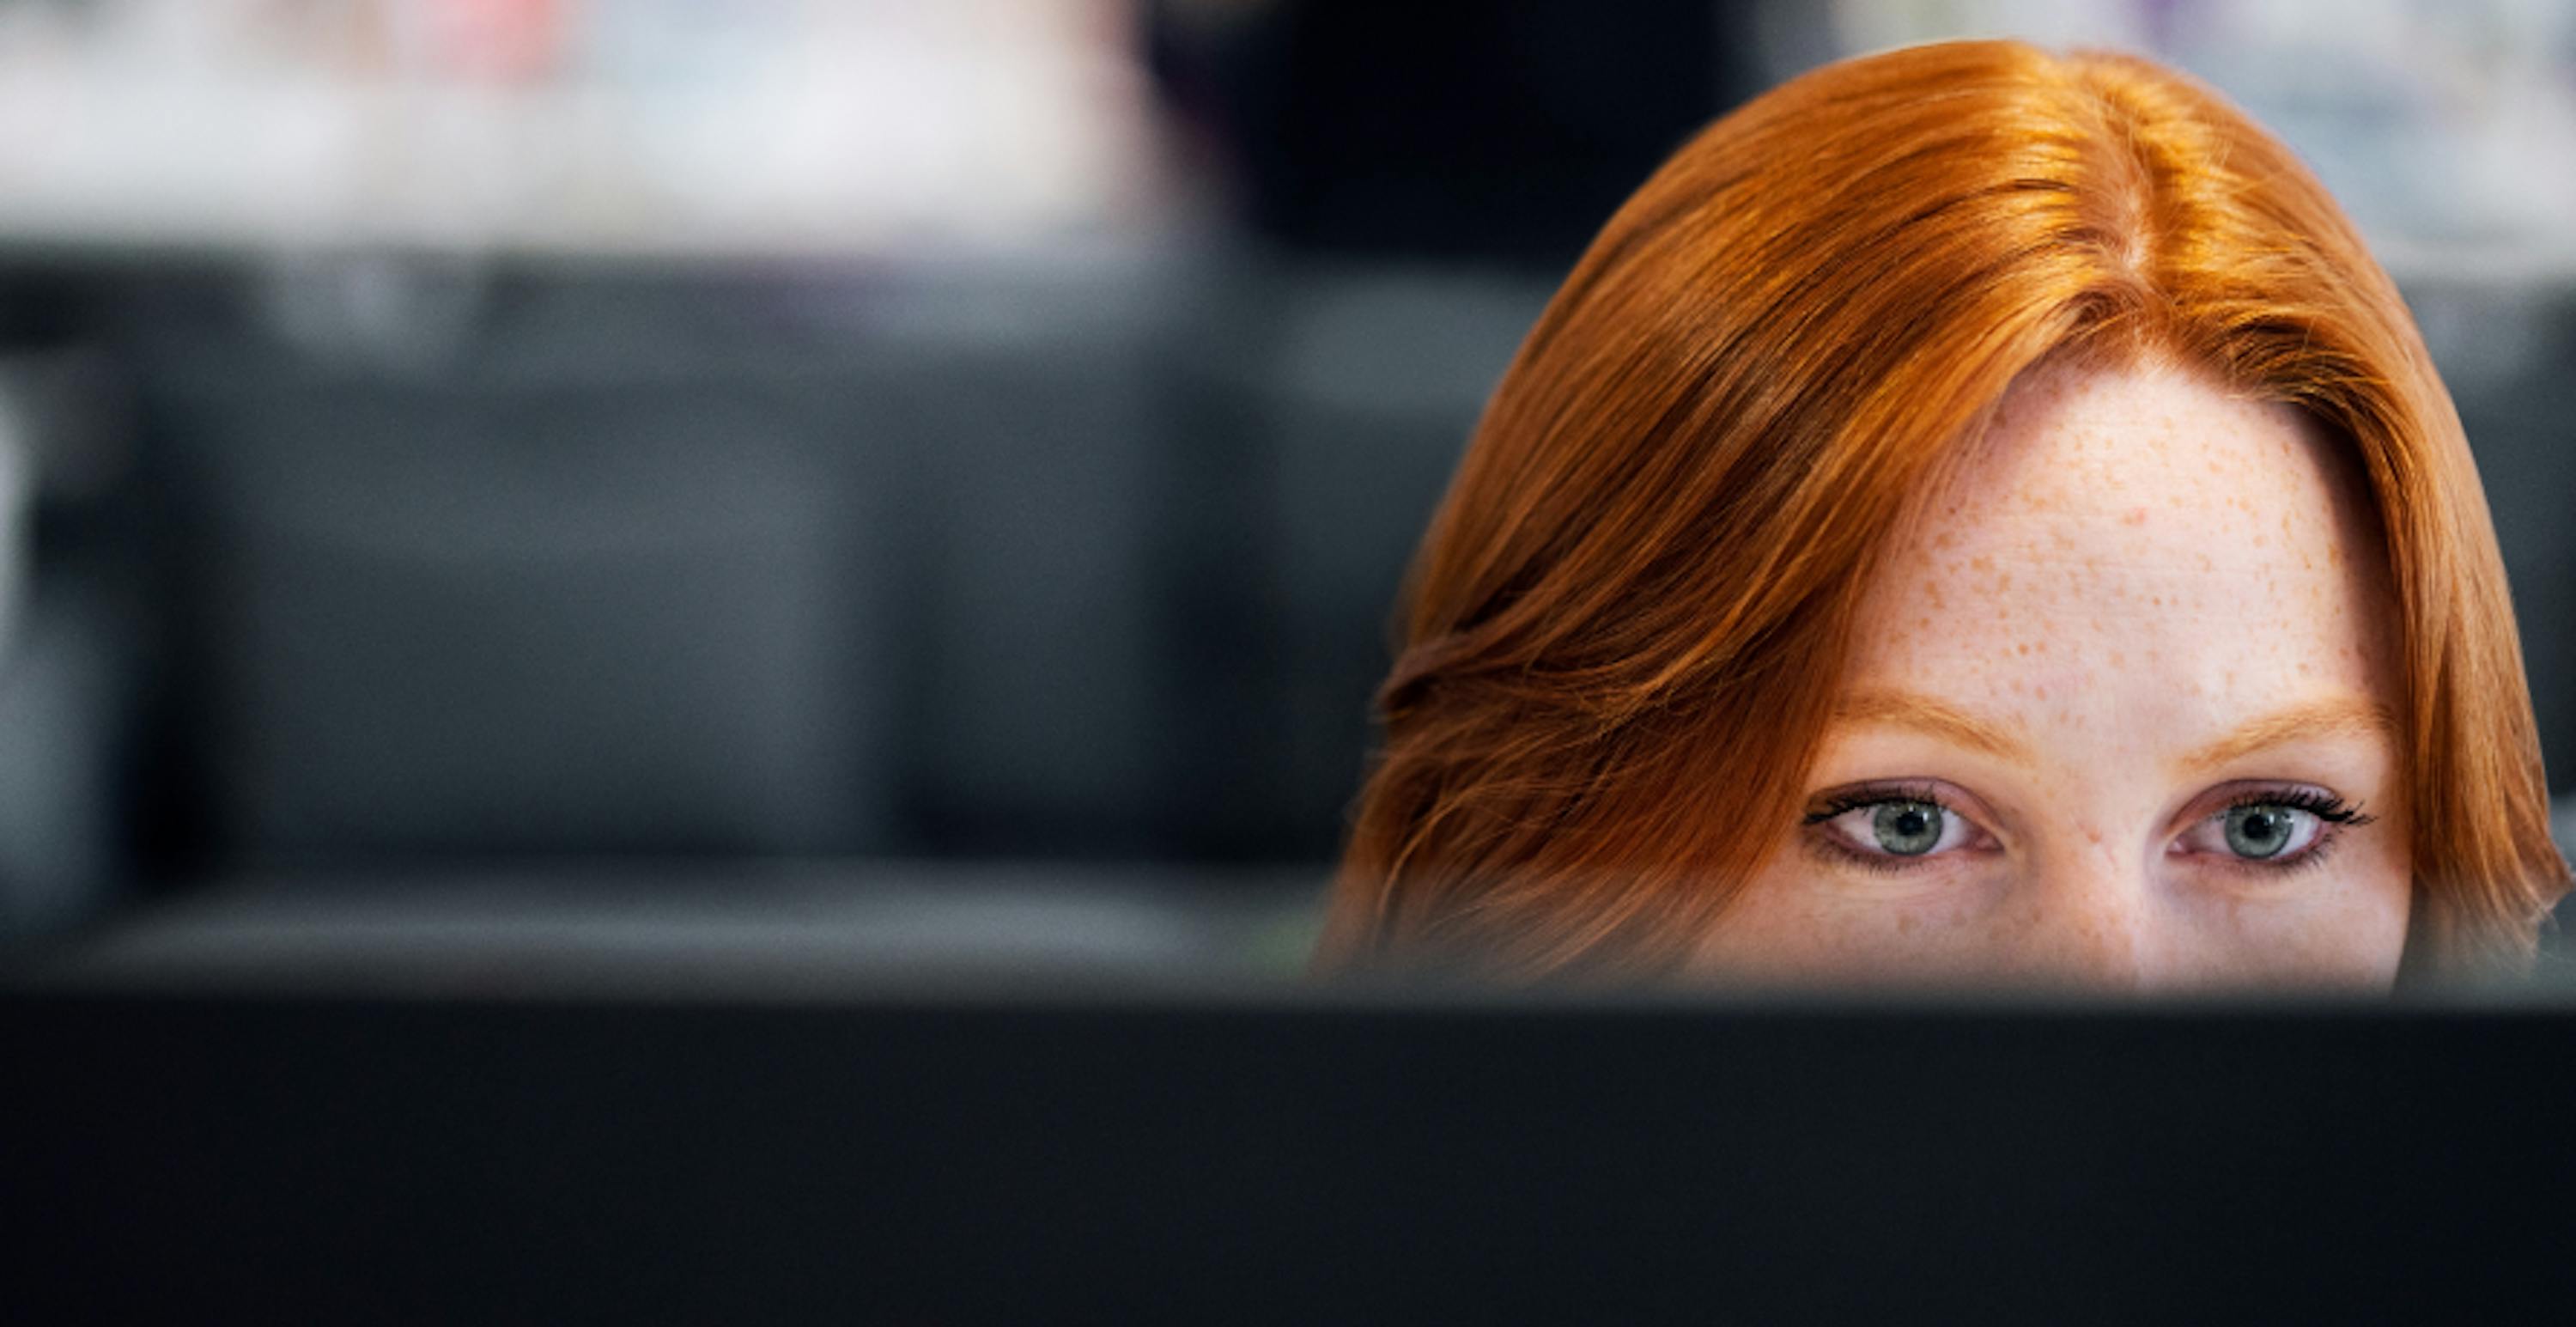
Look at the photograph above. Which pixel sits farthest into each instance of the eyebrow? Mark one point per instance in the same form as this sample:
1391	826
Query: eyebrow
1934	718
2337	716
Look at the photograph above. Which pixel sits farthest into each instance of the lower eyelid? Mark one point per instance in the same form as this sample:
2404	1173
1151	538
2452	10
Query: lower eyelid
2312	855
1824	844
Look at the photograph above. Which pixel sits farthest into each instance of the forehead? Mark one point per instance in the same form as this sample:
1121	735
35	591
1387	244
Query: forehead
2136	540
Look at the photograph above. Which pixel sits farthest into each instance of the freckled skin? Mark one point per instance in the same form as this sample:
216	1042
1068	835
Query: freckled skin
2132	565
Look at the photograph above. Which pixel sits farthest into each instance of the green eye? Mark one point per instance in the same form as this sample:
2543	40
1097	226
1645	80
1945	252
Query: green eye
2259	832
1907	829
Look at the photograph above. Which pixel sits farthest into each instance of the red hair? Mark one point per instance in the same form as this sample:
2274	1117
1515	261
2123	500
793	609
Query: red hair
1641	579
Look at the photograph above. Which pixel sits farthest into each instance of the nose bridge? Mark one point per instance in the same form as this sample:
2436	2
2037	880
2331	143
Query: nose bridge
2093	920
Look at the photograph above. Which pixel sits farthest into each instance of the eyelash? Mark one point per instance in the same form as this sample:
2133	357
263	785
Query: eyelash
2337	814
1858	798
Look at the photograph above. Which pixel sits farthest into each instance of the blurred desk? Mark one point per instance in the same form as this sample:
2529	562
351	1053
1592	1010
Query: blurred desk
757	930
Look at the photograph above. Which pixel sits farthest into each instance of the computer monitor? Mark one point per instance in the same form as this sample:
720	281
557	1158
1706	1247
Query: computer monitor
1274	1154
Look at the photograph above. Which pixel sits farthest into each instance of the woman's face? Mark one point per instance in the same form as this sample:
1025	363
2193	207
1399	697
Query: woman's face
2118	714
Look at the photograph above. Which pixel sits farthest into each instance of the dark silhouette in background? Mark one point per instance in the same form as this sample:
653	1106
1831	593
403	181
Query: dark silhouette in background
1451	131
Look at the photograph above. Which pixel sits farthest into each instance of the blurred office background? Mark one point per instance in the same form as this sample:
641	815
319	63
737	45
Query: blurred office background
888	480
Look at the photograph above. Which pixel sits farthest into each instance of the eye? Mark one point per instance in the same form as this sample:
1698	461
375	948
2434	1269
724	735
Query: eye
2276	829
1891	828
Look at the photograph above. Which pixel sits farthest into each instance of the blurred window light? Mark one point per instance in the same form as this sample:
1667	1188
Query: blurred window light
2446	127
623	126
